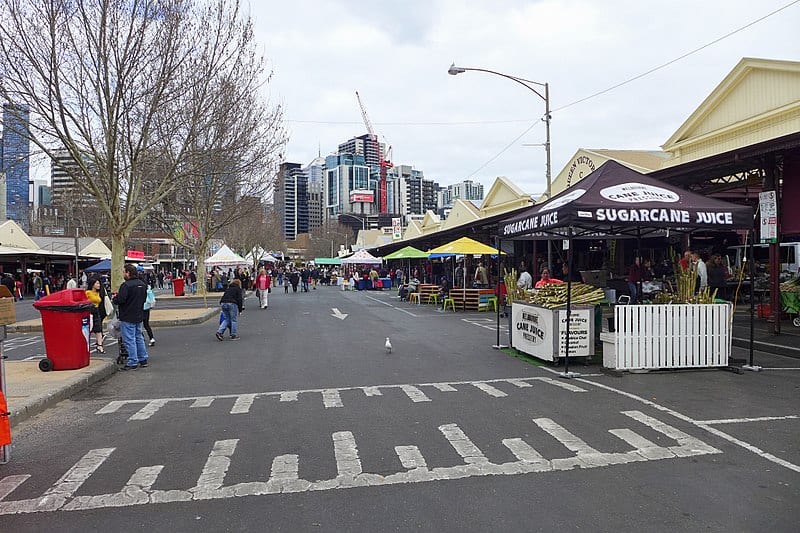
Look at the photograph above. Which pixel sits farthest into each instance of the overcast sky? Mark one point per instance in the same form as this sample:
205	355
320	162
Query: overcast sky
396	55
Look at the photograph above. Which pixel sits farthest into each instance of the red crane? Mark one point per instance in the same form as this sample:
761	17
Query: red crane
385	164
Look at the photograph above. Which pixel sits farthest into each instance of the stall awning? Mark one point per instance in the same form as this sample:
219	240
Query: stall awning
615	201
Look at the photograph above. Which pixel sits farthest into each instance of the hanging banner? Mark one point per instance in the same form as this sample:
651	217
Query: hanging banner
397	228
768	205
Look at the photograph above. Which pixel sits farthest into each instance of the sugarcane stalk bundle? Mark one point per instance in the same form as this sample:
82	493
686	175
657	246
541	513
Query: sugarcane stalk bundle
555	295
513	293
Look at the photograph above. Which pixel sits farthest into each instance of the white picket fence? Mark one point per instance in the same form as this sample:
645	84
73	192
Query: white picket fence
672	336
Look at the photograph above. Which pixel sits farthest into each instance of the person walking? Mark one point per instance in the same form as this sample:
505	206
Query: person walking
97	294
232	303
130	298
149	303
263	284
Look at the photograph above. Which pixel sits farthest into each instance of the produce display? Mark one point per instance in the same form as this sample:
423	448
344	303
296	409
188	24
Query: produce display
555	295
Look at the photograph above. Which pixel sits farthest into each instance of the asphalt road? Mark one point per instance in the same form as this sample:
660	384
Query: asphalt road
308	424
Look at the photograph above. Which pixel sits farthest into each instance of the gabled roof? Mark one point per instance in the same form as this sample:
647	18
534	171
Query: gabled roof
503	196
12	235
754	91
412	230
87	246
461	213
430	222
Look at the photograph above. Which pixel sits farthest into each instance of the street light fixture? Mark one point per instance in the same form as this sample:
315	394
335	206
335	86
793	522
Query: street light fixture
528	84
531	86
362	220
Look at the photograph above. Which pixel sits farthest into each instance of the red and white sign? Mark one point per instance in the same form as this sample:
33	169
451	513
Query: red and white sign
362	196
134	254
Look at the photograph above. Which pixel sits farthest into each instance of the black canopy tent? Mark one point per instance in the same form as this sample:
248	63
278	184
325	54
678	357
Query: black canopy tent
615	201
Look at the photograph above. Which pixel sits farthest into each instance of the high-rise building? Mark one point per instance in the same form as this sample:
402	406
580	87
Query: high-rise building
348	187
63	172
363	146
409	193
291	200
466	190
315	171
15	163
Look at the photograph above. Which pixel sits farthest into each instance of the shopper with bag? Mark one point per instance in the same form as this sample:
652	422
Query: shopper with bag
97	295
130	299
149	303
263	284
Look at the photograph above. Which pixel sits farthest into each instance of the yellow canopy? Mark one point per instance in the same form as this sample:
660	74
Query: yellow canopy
464	246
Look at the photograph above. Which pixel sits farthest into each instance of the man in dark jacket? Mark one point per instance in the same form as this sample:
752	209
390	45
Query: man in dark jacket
130	299
232	303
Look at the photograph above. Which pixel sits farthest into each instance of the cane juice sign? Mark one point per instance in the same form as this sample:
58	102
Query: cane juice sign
581	341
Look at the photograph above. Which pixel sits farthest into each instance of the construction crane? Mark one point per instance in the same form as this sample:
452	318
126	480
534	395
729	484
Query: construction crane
385	163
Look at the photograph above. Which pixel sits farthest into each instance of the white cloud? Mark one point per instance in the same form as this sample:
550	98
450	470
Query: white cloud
397	54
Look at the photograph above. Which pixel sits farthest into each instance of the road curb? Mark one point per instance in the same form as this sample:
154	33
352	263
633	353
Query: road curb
34	406
210	313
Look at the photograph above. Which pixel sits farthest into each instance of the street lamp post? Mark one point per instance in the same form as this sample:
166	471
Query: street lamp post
362	220
531	86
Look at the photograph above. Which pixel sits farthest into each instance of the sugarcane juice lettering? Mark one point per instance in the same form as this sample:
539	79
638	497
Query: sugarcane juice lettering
704	217
529	327
644	215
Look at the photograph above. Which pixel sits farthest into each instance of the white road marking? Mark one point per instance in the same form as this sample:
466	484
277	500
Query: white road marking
243	404
148	410
387	304
745	420
331	398
705	426
203	402
346	453
10	483
414	393
523	451
283	477
488	389
563	385
410	457
338	314
462	444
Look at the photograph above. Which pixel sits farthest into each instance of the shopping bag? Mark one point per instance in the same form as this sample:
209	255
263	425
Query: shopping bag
108	306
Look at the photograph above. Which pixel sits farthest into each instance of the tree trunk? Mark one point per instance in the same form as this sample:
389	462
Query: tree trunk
117	259
201	272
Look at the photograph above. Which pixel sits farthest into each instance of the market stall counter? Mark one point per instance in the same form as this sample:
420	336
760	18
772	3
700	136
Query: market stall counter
541	332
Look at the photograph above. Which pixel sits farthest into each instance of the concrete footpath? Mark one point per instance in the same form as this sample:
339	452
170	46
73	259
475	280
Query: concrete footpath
30	391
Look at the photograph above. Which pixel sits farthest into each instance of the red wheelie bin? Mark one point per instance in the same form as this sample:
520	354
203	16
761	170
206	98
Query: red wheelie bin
177	286
66	323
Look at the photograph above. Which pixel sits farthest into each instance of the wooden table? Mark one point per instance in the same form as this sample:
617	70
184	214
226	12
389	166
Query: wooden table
425	290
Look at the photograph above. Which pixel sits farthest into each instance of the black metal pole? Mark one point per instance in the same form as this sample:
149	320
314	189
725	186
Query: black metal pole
497	292
752	269
569	303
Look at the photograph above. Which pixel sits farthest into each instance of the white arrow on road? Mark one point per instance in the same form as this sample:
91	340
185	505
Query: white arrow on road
338	314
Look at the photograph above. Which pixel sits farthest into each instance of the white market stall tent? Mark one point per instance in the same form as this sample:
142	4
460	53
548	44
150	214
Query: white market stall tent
362	257
225	257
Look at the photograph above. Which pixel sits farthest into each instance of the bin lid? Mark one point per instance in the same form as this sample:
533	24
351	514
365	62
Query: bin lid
66	300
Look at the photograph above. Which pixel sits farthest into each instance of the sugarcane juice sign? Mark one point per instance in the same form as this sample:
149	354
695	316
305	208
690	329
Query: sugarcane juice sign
580	333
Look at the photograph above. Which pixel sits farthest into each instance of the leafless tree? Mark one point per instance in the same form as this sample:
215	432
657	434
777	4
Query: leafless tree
326	239
255	236
134	91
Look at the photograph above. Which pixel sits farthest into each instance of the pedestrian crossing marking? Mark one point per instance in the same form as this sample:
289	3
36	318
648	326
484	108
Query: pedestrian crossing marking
331	397
284	473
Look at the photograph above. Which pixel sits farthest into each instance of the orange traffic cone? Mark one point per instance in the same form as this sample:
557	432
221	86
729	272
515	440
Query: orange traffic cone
5	425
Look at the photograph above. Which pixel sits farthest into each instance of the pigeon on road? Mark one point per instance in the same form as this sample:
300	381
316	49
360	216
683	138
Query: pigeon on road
388	345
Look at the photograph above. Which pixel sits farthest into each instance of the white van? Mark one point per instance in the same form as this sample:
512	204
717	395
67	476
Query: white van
789	253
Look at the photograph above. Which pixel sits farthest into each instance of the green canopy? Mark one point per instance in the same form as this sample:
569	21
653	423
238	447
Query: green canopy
409	252
327	261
